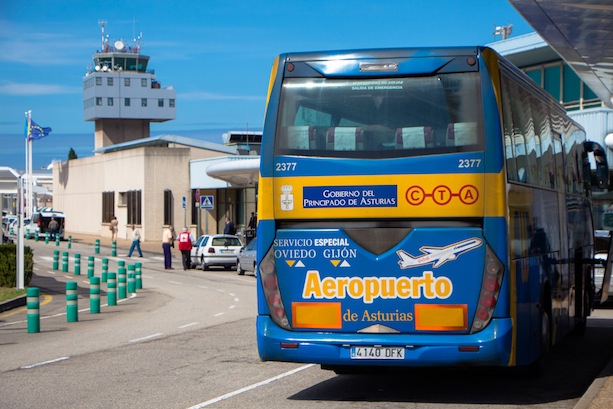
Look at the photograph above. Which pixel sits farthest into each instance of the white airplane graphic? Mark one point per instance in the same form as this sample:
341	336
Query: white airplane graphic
437	256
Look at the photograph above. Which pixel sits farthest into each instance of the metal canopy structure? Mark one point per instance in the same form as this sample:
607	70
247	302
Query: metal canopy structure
581	32
238	171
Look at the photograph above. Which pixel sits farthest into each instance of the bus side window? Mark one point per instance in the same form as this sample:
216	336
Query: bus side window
414	137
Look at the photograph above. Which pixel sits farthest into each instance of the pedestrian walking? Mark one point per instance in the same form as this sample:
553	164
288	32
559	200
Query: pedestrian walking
186	242
168	241
114	227
135	242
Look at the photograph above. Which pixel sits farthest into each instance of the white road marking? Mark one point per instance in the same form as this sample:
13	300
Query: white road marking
219	314
174	282
46	362
188	325
250	387
146	338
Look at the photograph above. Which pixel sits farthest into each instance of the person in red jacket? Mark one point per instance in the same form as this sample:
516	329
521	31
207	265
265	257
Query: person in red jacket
186	241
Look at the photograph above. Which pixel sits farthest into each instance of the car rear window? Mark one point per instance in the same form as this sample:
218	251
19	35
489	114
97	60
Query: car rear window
226	241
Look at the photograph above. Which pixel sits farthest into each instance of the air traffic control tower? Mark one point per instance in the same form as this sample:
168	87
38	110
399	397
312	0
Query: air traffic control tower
122	95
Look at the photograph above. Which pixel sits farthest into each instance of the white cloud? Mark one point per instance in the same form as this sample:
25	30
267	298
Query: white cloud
22	89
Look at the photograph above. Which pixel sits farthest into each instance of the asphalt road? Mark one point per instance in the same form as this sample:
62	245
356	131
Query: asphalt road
187	339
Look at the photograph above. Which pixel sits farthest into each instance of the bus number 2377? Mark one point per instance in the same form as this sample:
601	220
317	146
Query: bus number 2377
285	166
469	163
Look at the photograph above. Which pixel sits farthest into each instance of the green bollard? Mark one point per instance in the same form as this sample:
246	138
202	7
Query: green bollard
105	269
121	263
121	283
69	242
131	279
114	249
56	259
90	266
72	302
111	292
139	278
57	240
97	247
94	295
131	283
77	264
46	237
65	262
33	305
36	235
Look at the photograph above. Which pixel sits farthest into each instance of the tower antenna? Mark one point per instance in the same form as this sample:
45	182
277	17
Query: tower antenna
102	24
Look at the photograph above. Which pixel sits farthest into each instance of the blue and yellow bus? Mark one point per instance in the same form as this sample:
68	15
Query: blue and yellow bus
420	207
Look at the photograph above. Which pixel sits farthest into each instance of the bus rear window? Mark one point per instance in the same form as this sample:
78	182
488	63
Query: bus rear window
379	118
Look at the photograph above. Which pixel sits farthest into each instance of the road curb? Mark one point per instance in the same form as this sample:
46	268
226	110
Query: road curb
586	400
13	303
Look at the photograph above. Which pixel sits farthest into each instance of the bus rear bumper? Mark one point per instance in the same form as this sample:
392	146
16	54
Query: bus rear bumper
490	347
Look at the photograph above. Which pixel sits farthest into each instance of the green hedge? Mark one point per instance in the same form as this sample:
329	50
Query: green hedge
8	265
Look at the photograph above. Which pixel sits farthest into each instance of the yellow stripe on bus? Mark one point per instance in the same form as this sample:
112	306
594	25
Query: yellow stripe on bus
439	195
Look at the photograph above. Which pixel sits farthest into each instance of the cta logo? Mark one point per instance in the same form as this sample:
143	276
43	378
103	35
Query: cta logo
442	195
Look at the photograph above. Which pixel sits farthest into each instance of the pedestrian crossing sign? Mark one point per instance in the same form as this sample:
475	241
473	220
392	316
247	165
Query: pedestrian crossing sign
207	202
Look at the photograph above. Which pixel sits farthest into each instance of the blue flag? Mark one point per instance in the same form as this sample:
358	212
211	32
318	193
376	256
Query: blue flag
34	131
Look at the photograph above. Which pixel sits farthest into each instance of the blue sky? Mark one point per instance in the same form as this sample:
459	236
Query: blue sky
216	54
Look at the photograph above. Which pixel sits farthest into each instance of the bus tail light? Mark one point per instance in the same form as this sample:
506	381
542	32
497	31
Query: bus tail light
268	276
490	289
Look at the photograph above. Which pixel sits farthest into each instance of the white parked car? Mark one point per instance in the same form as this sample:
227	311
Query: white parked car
216	250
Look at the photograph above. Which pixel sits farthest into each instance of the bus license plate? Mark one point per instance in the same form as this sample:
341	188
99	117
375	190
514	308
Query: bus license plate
377	352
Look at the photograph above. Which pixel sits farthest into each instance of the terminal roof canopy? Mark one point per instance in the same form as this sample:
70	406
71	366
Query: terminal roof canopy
581	32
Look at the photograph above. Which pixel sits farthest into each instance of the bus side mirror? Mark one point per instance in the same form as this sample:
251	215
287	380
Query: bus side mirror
601	177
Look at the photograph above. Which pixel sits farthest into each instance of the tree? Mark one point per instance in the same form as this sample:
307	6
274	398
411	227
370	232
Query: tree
72	154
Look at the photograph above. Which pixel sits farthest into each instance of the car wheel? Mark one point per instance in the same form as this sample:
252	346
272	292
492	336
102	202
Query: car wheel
239	269
205	266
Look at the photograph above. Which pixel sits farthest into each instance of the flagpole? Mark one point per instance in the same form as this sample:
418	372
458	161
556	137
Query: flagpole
20	239
28	166
30	202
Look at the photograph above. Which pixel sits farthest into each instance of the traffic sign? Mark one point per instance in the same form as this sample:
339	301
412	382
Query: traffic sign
184	201
207	202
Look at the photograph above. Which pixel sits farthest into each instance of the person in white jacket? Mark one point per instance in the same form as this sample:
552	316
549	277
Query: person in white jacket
135	242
